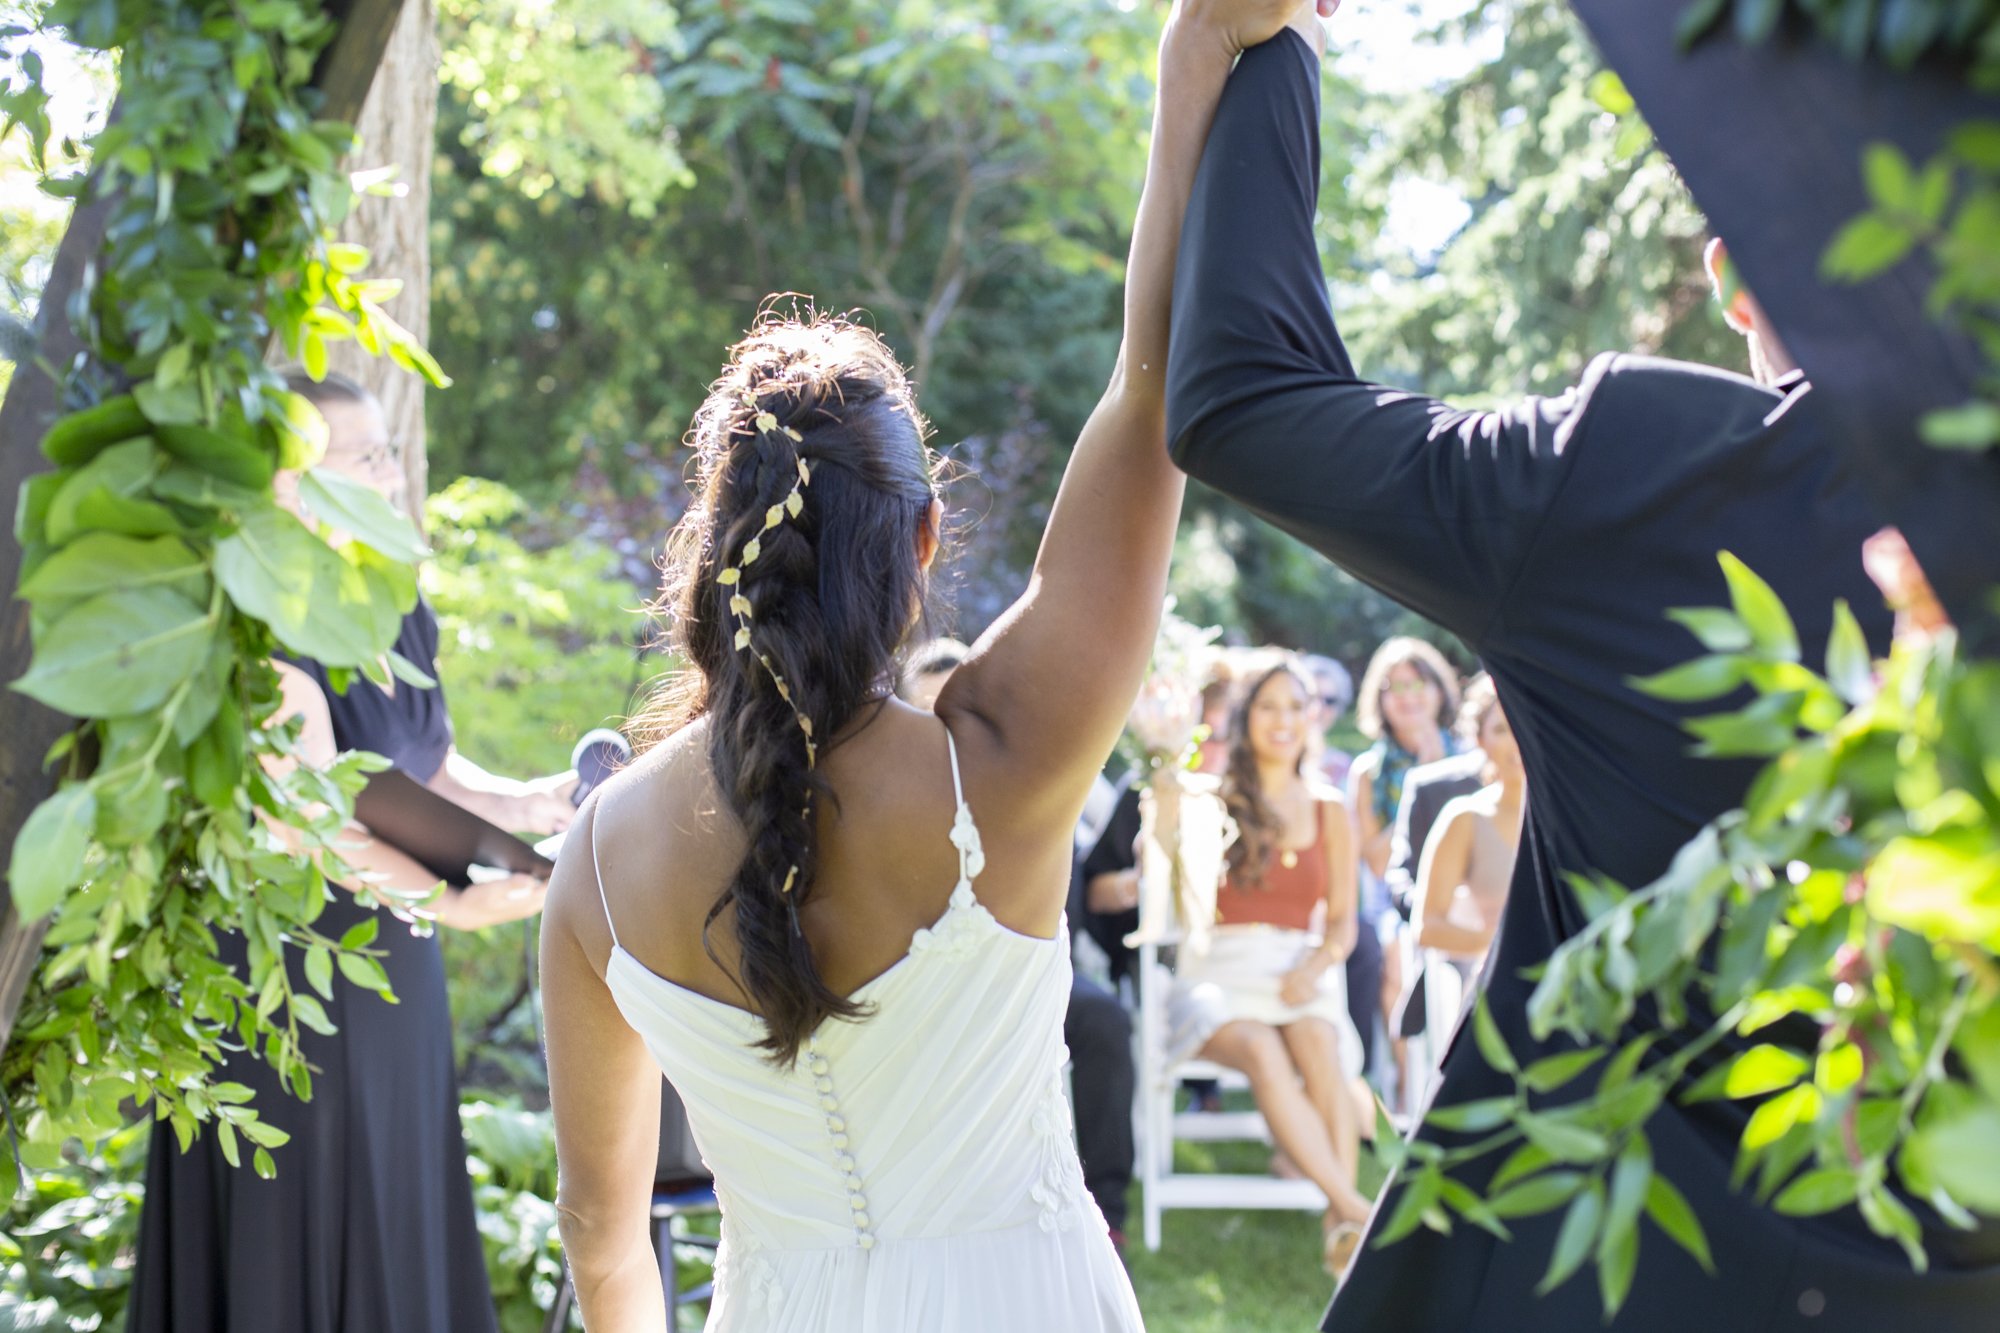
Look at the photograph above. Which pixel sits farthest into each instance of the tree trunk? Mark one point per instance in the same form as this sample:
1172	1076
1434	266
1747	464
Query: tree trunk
398	128
345	70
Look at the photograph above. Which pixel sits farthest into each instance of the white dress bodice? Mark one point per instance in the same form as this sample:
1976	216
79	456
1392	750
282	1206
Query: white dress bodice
915	1170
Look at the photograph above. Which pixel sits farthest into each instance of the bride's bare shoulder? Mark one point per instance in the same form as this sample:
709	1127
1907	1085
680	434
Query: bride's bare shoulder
664	800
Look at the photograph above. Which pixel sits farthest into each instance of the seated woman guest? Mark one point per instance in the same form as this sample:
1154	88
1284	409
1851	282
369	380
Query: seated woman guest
1266	995
1468	861
1405	704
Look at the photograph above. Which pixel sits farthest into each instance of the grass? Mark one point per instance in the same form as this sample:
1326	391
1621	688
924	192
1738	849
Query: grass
1228	1271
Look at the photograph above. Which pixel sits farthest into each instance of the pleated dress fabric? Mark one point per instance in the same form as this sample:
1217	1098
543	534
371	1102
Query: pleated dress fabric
369	1226
914	1172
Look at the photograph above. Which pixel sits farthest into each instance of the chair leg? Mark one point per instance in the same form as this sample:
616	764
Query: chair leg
558	1319
670	1269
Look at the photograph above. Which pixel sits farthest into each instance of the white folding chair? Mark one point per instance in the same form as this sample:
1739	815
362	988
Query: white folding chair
1203	835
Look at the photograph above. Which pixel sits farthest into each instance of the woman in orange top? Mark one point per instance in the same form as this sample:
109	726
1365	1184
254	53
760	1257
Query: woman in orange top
1267	996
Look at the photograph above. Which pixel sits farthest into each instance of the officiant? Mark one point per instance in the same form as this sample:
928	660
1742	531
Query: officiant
369	1224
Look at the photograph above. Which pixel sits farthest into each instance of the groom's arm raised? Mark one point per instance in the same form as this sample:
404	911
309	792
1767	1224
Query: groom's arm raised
1434	506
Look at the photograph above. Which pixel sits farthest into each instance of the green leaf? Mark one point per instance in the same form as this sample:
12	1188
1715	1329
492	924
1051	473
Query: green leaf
1756	20
1703	678
118	653
1416	1197
362	513
1775	1118
362	934
103	561
1492	1045
1538	1194
1698	20
1617	1261
1576	1238
1523	1162
1891	181
1630	1176
1762	613
49	851
366	973
1670	1211
1956	1149
1869	245
302	433
1608	91
317	603
1563	1141
1978	144
1472	1117
312	1013
319	969
1552	1072
1974	427
1849	668
1720	631
1818	1192
1763	1069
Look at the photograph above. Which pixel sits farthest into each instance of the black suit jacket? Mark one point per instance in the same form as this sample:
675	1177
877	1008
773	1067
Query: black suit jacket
1426	789
1552	537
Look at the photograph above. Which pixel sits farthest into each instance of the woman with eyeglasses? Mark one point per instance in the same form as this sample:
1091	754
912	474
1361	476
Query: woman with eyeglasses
1406	702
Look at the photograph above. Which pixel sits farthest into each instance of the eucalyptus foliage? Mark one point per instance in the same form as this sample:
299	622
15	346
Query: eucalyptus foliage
163	576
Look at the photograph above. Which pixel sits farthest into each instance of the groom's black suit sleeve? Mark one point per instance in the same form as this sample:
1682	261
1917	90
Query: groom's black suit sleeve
1435	506
1554	537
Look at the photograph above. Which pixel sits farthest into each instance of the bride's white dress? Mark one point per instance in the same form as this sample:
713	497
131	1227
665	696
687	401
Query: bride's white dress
915	1172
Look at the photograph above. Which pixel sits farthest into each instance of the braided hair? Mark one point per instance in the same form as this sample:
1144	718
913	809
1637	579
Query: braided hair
792	583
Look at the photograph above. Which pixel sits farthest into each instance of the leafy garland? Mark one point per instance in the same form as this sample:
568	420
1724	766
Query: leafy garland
162	576
1847	911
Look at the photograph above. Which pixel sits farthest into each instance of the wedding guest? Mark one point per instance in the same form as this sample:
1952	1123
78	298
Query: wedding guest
1264	994
1336	695
1468	861
1405	705
1426	791
368	1226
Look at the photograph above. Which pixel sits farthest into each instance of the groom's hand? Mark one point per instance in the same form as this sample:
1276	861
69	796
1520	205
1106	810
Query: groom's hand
1242	24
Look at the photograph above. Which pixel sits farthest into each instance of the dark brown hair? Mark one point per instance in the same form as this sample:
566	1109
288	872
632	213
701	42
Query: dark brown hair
834	591
1257	824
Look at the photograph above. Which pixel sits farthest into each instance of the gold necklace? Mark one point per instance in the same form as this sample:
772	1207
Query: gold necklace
1288	858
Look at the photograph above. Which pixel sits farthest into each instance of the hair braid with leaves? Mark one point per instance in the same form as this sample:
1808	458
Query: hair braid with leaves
793	582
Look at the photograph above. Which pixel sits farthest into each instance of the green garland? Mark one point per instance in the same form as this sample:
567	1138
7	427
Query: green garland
162	576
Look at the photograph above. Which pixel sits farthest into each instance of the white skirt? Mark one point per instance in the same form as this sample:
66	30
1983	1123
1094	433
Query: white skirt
1237	976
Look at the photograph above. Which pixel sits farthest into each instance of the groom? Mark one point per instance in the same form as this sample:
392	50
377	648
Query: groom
1552	537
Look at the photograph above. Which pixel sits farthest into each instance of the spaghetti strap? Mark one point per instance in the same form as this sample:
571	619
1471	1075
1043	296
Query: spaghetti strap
957	787
598	871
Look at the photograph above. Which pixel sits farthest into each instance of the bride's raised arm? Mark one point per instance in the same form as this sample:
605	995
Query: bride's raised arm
1050	683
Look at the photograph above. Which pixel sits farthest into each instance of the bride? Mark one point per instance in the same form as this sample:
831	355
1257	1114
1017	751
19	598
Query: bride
834	920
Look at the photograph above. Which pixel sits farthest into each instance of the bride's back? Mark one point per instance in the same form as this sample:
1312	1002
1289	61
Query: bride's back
668	846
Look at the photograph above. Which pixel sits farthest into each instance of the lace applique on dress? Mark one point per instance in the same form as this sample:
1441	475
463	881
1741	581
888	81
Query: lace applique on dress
1059	1189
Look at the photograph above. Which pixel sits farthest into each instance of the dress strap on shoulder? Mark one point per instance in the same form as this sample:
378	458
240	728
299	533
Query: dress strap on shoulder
957	786
597	871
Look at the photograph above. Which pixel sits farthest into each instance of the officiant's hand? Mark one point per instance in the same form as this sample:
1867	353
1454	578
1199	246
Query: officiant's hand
1246	23
492	903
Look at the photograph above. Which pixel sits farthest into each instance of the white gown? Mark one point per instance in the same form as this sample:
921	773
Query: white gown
915	1172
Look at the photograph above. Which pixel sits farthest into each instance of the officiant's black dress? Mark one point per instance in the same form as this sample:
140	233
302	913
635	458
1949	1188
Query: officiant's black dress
1552	537
369	1226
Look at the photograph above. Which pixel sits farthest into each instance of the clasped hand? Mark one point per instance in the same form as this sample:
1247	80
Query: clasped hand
1246	23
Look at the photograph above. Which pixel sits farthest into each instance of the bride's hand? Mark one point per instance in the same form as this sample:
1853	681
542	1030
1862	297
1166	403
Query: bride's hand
1246	23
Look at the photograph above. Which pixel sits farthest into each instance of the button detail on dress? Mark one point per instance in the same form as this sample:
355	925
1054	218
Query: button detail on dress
867	1242
828	1104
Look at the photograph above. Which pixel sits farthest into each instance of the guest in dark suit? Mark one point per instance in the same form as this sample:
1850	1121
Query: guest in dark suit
1552	537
